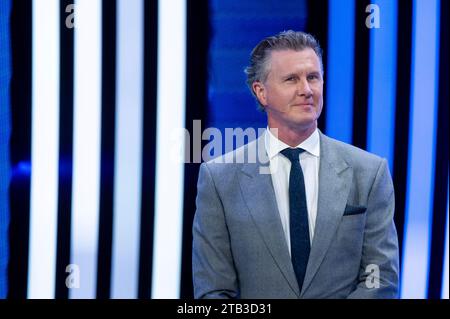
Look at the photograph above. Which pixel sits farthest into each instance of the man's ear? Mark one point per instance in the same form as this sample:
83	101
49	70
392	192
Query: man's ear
260	92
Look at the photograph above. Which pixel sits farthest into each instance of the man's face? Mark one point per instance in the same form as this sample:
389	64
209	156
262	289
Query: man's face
292	95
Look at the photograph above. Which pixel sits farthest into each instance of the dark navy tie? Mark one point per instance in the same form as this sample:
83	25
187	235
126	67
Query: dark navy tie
298	220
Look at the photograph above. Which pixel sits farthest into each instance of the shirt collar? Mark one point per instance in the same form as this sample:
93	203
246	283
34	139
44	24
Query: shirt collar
275	146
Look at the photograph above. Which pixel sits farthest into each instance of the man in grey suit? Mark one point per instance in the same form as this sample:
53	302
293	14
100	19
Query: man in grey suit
320	224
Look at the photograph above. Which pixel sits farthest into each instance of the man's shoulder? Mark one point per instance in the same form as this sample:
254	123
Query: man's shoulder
353	155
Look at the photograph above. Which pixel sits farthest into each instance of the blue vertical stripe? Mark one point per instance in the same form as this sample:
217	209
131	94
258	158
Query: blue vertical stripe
445	278
5	130
422	146
339	76
382	83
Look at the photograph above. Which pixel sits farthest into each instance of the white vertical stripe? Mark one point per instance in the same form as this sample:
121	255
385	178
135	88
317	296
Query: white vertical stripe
169	175
86	152
44	150
128	150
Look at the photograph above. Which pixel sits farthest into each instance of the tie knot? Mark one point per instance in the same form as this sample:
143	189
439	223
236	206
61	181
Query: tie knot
292	153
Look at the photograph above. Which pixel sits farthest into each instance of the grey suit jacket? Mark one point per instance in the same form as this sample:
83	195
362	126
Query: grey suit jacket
239	248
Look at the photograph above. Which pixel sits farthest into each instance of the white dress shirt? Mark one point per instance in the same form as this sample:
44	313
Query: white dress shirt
280	168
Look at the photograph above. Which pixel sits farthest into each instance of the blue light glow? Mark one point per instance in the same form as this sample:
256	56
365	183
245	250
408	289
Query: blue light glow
422	145
339	76
382	83
445	277
5	132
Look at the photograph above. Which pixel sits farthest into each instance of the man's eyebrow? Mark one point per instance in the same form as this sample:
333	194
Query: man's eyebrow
292	74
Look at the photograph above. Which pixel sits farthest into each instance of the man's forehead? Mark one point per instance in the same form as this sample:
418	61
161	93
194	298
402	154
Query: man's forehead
288	58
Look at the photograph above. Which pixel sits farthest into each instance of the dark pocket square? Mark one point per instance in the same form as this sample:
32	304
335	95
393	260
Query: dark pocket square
354	210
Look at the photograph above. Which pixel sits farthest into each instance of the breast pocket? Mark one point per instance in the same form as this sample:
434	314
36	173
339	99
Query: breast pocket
354	210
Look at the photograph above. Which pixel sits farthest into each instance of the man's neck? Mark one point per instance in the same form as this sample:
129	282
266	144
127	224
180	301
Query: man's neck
292	136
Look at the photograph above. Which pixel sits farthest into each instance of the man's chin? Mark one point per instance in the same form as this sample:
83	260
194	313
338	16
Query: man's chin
304	124
304	119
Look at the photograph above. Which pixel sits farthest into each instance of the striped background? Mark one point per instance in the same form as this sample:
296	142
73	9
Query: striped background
94	107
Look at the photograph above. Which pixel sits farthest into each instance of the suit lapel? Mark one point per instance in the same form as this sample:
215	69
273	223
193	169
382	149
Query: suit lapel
335	178
258	193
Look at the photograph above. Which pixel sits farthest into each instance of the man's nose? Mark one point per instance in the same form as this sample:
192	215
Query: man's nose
304	89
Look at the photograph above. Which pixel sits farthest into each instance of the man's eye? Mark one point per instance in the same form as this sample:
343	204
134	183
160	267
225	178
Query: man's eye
290	78
313	77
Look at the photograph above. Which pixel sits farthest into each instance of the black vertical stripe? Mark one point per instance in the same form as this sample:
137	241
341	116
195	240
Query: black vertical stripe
441	166
317	25
148	149
65	151
361	75
198	38
402	110
20	146
107	148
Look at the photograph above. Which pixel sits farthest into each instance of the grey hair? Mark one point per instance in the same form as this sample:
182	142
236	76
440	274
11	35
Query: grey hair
258	70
